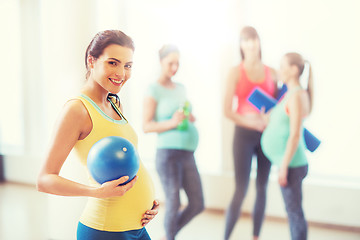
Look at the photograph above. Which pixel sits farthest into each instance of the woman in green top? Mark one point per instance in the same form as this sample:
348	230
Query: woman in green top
168	113
283	140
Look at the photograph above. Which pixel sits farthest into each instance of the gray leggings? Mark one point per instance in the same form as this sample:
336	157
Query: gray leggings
292	195
246	144
177	170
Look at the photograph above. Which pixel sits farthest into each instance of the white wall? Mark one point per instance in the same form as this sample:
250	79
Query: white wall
325	34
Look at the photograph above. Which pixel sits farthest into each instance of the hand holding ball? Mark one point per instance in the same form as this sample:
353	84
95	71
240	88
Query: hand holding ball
112	158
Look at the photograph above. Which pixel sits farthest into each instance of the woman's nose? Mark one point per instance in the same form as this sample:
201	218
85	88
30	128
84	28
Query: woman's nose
174	67
120	74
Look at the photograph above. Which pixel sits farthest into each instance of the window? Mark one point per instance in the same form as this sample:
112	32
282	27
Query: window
11	92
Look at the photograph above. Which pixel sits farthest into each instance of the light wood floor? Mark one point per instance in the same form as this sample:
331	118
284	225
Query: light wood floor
22	217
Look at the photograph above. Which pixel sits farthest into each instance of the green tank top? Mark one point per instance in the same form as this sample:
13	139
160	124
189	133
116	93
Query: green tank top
276	134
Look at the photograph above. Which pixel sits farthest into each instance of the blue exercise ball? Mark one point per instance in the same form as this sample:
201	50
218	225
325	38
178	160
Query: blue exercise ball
111	158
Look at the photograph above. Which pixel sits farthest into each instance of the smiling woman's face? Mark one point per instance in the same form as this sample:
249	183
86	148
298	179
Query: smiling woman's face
113	68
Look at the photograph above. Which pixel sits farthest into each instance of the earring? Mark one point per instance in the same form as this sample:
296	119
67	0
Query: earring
91	61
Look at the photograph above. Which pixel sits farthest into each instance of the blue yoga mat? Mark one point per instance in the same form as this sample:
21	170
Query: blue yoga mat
260	99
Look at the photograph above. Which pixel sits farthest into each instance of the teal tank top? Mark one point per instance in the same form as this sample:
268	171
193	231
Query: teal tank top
276	134
168	102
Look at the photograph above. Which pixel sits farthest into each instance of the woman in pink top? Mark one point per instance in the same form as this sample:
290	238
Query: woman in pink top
249	125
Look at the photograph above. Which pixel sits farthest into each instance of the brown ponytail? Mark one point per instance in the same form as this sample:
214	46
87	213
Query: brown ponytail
298	61
310	86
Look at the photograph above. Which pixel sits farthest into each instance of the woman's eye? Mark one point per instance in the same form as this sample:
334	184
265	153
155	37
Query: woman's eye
128	66
113	63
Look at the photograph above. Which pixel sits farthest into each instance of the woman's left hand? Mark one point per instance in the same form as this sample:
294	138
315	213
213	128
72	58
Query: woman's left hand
283	173
150	214
265	115
192	118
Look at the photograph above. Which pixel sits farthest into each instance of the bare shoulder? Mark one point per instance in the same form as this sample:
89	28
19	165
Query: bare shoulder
76	109
273	73
303	96
75	113
149	99
233	75
235	69
297	95
300	100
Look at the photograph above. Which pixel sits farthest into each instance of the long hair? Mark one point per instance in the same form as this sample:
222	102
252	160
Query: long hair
297	60
248	32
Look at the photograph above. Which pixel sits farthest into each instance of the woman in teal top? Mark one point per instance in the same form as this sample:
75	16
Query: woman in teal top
168	113
283	142
169	101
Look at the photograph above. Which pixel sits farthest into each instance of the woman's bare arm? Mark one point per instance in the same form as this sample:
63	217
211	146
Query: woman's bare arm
73	124
150	125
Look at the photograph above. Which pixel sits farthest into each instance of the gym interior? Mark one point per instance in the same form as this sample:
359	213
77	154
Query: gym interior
42	63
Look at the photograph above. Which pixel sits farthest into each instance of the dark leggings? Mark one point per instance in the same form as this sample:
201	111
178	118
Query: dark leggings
292	195
177	170
246	144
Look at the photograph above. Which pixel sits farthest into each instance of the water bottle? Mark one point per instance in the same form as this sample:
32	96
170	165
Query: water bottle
185	108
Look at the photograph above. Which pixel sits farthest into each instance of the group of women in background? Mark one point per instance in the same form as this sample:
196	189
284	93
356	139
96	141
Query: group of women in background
275	138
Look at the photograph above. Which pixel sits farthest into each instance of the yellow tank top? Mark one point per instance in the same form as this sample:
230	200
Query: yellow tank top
116	213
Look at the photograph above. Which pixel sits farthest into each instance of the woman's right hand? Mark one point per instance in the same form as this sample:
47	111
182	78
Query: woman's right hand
177	118
113	188
255	122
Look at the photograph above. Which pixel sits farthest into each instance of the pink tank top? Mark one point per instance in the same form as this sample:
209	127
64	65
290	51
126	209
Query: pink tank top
244	87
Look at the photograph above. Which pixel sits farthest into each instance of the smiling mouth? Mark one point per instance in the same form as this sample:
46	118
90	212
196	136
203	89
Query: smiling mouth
117	82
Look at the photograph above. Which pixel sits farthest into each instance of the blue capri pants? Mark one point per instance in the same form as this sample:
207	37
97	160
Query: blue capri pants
87	233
